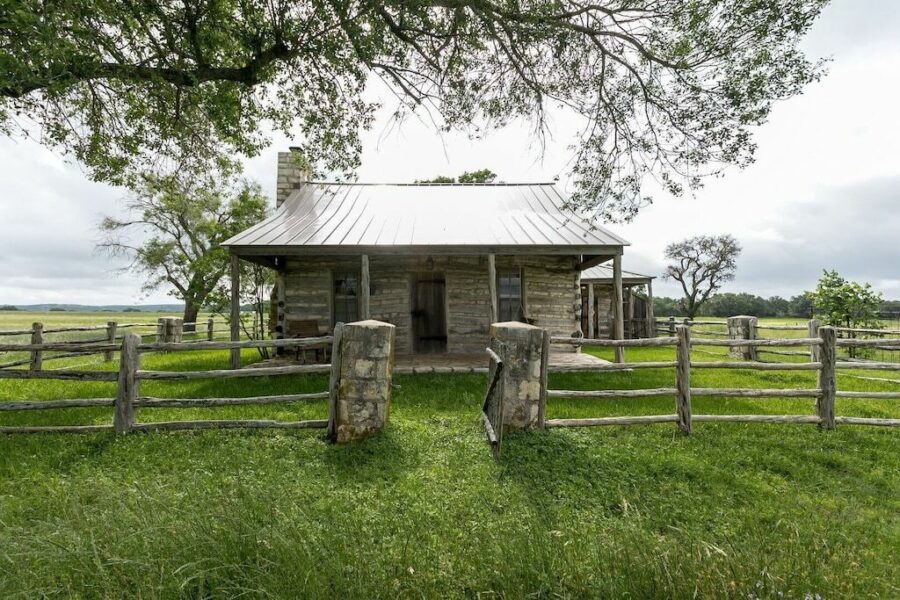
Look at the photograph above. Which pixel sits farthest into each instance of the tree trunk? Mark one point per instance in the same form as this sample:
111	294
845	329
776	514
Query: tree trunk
191	310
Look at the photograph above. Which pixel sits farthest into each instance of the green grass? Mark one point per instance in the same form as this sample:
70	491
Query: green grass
423	511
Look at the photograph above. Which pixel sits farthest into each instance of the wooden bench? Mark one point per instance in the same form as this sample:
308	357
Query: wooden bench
306	328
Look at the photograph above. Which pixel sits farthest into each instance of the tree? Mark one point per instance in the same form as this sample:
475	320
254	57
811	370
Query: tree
666	88
180	220
802	305
701	265
845	303
479	176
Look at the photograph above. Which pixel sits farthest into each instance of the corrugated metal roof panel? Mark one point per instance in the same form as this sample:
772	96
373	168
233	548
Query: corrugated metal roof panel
604	274
339	215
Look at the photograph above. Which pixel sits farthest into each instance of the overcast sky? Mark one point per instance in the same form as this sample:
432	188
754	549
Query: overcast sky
823	193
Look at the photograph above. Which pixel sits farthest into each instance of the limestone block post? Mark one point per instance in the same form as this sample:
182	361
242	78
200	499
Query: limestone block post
177	330
520	346
365	367
742	327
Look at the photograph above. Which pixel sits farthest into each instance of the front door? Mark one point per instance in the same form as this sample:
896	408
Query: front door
429	313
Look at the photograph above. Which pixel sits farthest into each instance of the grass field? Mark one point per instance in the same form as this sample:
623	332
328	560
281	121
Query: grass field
733	511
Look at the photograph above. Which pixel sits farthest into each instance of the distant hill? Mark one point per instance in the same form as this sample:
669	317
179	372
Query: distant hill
101	307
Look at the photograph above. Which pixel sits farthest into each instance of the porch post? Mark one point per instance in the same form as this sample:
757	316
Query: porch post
235	309
651	320
631	313
590	311
618	320
492	288
364	288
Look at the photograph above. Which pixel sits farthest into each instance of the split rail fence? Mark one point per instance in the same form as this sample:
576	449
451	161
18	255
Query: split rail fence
130	375
165	330
823	348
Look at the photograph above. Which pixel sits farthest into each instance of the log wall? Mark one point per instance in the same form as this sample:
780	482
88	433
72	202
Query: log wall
550	289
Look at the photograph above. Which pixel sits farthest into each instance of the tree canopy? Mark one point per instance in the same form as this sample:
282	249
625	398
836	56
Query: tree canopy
177	224
701	264
479	176
667	88
846	303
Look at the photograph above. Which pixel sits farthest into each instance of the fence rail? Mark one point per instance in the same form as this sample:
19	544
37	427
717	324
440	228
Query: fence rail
823	348
130	375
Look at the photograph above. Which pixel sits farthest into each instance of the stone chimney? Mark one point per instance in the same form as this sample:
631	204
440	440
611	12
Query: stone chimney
293	170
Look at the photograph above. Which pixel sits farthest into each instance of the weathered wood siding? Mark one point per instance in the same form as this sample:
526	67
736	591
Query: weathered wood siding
550	289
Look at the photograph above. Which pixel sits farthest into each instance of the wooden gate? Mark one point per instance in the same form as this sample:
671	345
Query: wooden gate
492	408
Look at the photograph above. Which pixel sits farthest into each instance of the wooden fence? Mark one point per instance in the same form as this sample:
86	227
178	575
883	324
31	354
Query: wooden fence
492	407
130	375
826	364
166	329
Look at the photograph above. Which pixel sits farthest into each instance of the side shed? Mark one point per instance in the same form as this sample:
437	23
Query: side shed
598	307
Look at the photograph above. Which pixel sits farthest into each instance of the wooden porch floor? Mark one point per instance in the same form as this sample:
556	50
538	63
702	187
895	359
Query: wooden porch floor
476	362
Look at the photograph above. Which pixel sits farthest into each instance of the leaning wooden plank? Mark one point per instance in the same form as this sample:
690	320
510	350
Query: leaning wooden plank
493	355
611	366
612	421
867	421
150	402
48	404
570	341
759	342
489	429
245	424
758	418
759	366
313	342
841	394
66	375
645	393
878	366
758	393
58	429
226	374
784	352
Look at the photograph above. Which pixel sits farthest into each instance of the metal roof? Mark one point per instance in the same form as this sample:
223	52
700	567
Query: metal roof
348	217
604	274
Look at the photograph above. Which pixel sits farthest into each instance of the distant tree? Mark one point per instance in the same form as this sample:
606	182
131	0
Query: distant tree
844	303
479	176
730	304
8	307
701	264
180	220
669	89
131	309
802	305
57	309
666	307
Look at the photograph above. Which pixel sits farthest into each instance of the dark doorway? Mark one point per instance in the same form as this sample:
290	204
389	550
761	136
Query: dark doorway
429	313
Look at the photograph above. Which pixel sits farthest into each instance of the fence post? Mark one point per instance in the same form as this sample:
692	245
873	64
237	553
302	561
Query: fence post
742	327
111	327
545	375
813	329
161	330
210	329
37	337
826	377
683	379
671	326
335	382
127	391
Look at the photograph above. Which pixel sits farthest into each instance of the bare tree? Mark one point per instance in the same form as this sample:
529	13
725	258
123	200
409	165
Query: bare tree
701	265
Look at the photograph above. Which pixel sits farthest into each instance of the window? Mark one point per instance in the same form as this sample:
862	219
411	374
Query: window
345	286
509	292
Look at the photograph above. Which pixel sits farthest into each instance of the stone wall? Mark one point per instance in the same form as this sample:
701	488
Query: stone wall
550	289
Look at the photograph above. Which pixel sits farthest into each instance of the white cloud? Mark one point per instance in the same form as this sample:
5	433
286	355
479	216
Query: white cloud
828	168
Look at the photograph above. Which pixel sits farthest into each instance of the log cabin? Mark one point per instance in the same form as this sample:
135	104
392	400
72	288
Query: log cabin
439	261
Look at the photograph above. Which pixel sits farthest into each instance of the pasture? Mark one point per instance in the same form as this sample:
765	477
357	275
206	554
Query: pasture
734	510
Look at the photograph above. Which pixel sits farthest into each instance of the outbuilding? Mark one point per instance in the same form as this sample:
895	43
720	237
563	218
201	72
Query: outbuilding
598	314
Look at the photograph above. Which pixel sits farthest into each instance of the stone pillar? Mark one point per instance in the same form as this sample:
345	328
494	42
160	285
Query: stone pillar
742	327
366	359
519	347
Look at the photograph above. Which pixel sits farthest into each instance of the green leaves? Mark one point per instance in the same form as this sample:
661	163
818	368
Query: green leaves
668	89
846	303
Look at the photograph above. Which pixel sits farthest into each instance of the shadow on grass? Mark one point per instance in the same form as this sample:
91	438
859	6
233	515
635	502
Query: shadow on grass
383	457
